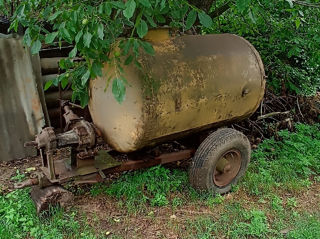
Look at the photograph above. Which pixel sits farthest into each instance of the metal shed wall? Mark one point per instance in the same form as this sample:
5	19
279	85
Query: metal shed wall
21	114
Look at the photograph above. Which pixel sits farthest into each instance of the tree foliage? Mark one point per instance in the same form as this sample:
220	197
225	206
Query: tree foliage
287	35
94	28
285	32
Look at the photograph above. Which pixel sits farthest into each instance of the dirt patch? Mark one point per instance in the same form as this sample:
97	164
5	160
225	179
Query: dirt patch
104	215
309	200
9	169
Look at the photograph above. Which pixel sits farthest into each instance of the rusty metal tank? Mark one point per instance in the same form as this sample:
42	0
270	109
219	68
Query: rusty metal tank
192	83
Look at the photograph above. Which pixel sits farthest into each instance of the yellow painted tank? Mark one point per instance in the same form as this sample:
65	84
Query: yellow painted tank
193	82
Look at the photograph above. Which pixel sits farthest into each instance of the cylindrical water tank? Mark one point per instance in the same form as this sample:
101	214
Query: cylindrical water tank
193	82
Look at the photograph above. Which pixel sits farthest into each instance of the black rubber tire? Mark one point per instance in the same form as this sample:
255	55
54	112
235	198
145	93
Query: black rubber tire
208	154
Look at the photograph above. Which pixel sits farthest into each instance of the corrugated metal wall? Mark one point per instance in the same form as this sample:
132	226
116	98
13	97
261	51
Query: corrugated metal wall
21	114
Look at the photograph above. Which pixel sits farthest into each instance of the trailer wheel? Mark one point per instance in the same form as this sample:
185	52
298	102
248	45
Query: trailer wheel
220	161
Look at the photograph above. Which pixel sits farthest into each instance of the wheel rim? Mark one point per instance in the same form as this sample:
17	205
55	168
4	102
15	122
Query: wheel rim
227	168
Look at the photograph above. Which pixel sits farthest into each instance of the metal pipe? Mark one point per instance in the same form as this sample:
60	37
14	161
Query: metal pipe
50	65
52	98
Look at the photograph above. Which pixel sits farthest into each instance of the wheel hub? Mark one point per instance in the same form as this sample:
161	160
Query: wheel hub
227	168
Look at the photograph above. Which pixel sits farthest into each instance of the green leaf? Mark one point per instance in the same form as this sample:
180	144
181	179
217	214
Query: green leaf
162	5
87	39
62	63
118	4
64	81
145	3
73	53
36	46
290	3
126	47
14	25
136	45
128	60
192	16
26	38
298	22
100	31
78	36
50	37
147	47
48	84
301	13
66	35
47	11
54	16
243	5
20	10
138	64
252	17
84	98
85	77
130	6
160	18
118	90
205	19
96	69
74	17
151	21
55	81
107	8
142	29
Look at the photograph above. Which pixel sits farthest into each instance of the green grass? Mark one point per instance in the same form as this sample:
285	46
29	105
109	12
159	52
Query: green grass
238	222
288	163
307	227
18	219
153	186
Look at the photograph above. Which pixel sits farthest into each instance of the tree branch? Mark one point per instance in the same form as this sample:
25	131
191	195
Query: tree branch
220	10
307	4
202	4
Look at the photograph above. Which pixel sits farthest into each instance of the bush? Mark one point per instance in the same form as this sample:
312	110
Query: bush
285	33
